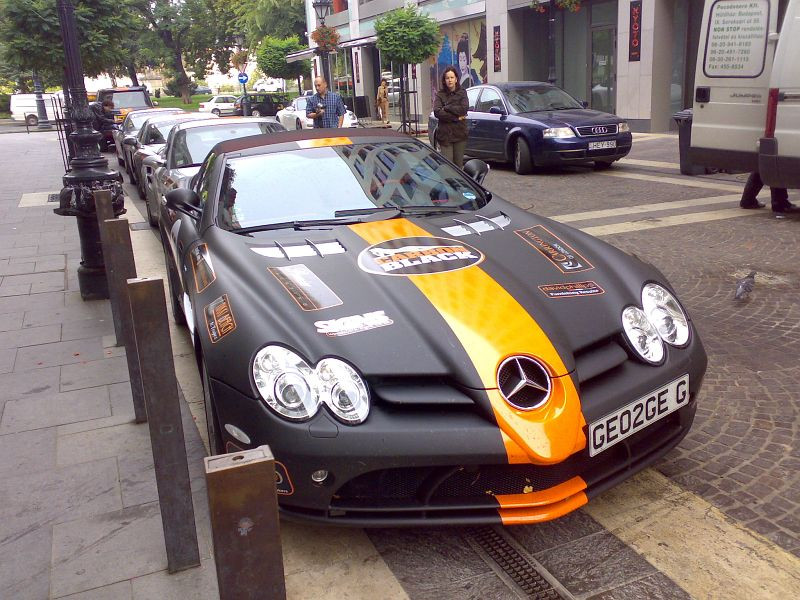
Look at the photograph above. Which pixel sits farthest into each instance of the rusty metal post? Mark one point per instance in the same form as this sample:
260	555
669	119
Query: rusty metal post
105	210
121	267
151	328
244	524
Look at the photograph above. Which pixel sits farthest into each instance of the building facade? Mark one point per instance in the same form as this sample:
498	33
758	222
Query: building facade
633	58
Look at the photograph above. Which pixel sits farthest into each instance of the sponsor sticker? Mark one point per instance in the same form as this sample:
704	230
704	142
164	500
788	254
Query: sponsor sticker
219	318
418	256
204	274
469	195
305	287
353	324
283	484
572	289
562	255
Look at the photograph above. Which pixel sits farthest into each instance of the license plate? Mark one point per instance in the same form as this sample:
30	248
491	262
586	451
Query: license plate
632	418
602	145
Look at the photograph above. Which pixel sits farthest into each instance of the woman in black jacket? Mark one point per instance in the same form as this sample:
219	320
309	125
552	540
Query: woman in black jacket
450	107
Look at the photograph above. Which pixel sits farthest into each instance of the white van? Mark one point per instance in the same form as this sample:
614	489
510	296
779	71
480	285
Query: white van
739	41
23	107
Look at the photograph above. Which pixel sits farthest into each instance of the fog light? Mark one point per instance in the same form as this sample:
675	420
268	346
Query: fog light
319	476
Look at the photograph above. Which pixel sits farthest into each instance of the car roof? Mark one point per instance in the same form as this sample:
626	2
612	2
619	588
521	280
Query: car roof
517	84
226	121
269	139
179	117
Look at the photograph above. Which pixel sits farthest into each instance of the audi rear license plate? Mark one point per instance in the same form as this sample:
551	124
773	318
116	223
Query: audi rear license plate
632	418
602	145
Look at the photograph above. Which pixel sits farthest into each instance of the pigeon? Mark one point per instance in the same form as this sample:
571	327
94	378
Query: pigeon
744	286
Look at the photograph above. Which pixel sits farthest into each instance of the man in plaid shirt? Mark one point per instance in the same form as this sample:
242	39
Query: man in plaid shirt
331	114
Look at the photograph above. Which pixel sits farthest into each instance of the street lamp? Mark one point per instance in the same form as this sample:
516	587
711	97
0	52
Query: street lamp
239	40
323	8
88	170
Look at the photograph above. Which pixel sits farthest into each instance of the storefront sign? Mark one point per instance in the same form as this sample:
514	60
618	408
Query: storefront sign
635	37
357	66
497	64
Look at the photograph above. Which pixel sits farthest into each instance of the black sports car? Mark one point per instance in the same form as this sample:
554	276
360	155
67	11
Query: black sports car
413	349
530	124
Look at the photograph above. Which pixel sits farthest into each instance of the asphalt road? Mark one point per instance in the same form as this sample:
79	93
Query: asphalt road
719	516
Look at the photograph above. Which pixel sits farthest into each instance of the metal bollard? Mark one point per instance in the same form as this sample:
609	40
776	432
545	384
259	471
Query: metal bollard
105	210
151	327
121	267
244	523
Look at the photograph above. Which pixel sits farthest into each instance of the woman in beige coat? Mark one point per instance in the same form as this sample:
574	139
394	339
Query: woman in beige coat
382	101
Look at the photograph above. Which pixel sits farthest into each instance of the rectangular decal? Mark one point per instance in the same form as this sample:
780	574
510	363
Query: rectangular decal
562	255
204	274
571	289
305	287
635	37
219	319
497	63
354	324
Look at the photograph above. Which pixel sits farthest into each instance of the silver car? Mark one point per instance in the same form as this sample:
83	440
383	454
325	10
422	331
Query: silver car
186	148
130	128
294	115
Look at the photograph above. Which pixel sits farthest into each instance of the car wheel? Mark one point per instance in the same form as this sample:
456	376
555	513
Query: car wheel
151	218
215	112
32	120
522	157
140	186
298	124
602	165
177	312
255	113
215	443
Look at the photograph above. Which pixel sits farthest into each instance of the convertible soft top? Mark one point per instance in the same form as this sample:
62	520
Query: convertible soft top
282	137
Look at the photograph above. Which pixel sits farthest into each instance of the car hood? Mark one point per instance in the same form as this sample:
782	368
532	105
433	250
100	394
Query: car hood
577	117
517	289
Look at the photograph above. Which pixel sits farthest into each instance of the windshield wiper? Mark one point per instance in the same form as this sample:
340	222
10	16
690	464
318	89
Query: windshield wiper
350	212
296	225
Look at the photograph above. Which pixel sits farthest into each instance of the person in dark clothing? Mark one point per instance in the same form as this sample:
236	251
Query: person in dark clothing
450	107
103	115
779	196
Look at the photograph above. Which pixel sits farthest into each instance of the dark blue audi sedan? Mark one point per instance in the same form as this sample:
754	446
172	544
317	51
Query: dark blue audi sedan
531	123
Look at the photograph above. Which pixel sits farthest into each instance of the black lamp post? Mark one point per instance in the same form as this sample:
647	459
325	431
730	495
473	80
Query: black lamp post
41	110
551	42
88	170
323	8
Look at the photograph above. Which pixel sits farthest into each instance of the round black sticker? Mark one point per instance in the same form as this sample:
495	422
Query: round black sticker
418	256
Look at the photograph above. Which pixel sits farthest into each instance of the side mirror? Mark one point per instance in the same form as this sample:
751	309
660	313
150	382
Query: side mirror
130	141
584	104
185	201
496	110
477	169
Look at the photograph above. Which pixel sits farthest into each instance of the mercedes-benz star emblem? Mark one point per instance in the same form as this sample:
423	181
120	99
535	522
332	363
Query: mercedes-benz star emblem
523	382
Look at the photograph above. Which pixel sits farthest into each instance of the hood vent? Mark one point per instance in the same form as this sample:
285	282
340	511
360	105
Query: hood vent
300	249
478	226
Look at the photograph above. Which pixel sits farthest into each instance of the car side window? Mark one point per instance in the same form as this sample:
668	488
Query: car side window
204	179
472	97
489	98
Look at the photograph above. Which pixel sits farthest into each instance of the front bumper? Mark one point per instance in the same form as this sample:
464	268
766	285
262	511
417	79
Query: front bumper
434	465
560	151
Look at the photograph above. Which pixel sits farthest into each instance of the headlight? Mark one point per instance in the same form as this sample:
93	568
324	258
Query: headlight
623	127
642	335
558	132
295	391
666	315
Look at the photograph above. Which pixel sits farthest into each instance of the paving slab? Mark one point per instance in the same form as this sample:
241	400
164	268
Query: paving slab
49	409
15	385
86	328
199	583
18	457
7	358
64	314
33	336
107	442
94	373
60	353
11	321
116	591
25	565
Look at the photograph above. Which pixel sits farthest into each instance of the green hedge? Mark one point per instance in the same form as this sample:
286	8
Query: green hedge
5	103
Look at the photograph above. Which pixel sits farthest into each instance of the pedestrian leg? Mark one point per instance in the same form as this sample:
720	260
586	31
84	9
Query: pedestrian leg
750	193
458	153
446	150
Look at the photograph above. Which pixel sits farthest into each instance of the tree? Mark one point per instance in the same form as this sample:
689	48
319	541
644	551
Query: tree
272	59
408	37
31	36
270	18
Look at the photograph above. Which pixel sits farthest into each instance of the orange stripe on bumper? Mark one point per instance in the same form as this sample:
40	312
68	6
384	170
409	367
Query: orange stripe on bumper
491	326
520	509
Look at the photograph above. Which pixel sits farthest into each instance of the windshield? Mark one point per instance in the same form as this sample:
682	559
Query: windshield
540	97
129	99
300	103
157	132
191	146
275	188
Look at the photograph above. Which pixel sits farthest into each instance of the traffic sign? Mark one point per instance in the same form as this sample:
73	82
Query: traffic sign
243	78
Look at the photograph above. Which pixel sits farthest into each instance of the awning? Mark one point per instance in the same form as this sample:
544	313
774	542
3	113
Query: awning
371	39
300	55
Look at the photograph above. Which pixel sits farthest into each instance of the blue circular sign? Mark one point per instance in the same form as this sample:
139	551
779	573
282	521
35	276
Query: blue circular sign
243	78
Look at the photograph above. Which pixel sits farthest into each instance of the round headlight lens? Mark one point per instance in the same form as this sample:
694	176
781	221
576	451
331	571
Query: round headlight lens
642	336
343	390
666	315
286	383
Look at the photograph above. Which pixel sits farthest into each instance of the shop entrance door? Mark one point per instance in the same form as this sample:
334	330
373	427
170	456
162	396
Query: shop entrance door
604	69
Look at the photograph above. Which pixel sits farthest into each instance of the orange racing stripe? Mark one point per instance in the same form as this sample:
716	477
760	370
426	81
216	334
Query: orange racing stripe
491	326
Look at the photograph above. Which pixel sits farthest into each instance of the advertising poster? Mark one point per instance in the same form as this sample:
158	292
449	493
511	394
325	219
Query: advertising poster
463	47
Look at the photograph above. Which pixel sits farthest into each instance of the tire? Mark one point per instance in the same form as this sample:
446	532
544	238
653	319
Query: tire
255	113
177	312
32	120
523	164
602	165
215	112
150	216
140	187
215	442
298	124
